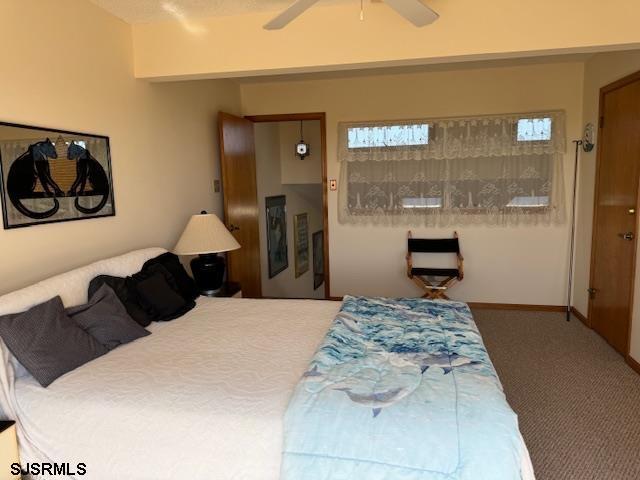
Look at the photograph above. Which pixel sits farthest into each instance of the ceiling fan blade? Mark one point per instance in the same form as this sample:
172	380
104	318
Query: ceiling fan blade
289	14
414	10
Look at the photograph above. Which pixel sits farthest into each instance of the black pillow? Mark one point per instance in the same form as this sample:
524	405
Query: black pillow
126	294
157	296
146	305
47	342
106	319
164	283
186	285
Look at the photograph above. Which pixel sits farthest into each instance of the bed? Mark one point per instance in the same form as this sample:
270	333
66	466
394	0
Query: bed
203	397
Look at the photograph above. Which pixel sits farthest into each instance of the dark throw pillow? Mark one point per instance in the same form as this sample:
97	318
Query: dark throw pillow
47	342
156	300
186	285
126	294
150	294
156	295
106	319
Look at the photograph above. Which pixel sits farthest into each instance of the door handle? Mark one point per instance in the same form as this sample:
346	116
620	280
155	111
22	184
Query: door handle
233	228
627	236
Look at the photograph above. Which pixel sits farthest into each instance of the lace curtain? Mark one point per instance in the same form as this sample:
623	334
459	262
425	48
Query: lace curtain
491	170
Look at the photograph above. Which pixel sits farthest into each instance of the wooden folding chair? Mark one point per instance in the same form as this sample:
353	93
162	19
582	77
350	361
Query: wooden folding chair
427	278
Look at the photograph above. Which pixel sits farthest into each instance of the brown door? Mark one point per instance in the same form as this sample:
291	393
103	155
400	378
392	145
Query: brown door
614	244
238	162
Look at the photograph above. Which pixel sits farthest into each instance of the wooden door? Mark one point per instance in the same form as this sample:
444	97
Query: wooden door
238	163
614	243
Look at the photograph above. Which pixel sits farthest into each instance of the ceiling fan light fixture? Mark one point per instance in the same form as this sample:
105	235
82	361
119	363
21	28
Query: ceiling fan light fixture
414	11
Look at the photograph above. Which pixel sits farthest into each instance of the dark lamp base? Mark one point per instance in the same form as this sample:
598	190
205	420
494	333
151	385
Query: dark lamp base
208	272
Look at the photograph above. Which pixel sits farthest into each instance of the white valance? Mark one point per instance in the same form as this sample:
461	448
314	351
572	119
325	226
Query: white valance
497	169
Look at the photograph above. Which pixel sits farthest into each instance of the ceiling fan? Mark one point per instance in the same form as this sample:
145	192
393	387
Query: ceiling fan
413	10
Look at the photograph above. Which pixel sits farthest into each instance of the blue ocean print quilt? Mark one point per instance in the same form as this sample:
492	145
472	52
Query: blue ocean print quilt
401	389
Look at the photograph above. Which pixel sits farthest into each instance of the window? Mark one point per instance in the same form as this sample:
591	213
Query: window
422	202
388	136
534	129
487	170
530	201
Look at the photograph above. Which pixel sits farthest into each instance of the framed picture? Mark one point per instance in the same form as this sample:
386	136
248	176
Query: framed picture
301	242
277	234
53	175
318	259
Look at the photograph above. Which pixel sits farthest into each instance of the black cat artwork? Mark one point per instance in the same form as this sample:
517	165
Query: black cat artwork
89	171
51	176
25	171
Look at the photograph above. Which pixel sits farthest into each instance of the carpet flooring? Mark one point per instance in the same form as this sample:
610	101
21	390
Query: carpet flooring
577	401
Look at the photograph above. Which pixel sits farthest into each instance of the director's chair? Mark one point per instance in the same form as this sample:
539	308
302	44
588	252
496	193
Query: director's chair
426	278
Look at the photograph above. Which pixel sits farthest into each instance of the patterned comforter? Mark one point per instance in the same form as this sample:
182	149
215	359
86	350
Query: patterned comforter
401	389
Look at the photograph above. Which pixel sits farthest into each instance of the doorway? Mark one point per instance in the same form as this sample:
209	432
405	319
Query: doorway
613	254
275	204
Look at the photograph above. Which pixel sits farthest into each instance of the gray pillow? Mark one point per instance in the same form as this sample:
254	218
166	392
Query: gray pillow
106	319
47	342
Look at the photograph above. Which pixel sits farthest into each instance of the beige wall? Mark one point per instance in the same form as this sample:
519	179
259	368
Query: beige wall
331	37
510	265
67	64
301	198
600	70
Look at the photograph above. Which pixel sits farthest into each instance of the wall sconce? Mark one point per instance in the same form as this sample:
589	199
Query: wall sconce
588	138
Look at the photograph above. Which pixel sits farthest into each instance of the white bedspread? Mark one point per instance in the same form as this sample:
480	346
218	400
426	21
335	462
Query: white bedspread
203	397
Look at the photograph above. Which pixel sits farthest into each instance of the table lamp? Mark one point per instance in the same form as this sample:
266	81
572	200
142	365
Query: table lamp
206	236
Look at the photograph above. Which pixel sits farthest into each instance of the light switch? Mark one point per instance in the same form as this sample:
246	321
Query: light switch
333	184
216	186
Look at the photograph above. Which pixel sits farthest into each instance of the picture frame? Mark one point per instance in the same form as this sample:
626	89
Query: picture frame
49	175
277	248
301	243
318	259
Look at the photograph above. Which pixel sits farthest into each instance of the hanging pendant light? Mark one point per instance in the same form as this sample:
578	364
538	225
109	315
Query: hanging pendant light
302	148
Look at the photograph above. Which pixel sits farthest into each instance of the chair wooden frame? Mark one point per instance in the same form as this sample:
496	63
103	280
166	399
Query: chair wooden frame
435	290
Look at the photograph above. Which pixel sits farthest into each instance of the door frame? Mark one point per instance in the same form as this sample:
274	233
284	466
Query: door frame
322	118
623	82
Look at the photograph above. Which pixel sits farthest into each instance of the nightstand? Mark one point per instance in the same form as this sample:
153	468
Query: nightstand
229	290
8	450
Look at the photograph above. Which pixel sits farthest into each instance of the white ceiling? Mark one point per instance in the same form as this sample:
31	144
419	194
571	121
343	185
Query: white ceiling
143	11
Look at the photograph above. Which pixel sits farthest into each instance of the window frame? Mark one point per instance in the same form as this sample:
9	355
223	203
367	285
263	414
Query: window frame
373	126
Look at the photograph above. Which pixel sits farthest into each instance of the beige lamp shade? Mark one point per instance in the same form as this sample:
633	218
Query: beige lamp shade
205	234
